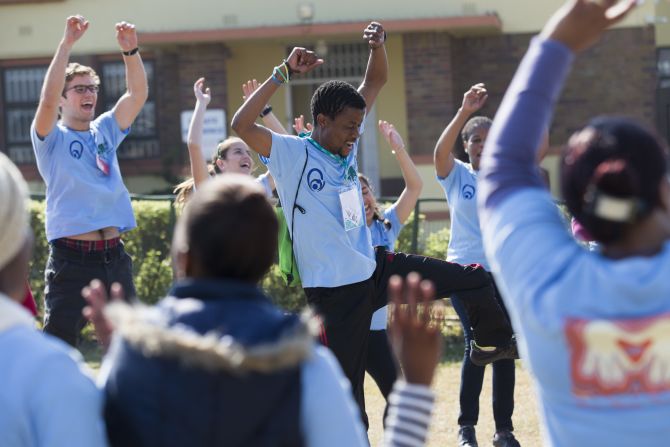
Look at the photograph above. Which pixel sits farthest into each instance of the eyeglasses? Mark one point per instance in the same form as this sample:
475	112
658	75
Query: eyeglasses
81	89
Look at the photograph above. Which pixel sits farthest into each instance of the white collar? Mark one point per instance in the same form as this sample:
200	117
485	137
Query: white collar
12	314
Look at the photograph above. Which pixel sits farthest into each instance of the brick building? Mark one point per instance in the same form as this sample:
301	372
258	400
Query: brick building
436	51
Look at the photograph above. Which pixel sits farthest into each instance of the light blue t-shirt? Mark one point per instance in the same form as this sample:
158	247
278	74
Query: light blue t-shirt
594	331
384	237
45	398
465	243
327	254
80	197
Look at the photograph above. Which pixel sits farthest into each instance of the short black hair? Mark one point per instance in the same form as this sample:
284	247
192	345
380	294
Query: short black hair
229	229
332	97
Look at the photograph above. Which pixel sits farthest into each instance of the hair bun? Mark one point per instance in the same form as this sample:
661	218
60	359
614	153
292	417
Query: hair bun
613	193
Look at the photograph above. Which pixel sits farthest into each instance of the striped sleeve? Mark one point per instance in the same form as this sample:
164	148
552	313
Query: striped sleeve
408	419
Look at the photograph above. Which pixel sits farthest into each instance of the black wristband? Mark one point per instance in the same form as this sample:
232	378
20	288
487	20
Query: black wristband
266	111
130	52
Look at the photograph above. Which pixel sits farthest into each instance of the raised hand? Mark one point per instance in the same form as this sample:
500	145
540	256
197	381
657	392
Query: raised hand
375	35
126	35
392	136
203	95
300	126
75	27
96	298
249	87
474	98
302	60
417	343
580	23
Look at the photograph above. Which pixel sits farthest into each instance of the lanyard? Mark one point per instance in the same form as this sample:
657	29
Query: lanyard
348	172
338	158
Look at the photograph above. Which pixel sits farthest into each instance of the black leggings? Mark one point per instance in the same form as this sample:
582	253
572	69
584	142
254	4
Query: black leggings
347	310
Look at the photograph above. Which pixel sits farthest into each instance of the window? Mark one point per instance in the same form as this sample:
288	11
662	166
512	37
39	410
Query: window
143	139
21	88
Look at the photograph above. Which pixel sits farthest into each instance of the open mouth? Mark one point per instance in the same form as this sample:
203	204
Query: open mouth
87	106
245	165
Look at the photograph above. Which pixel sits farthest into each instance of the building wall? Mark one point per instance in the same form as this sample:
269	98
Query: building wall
29	30
602	82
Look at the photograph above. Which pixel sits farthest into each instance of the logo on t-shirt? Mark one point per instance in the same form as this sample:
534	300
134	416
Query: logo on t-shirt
315	179
619	357
76	149
468	192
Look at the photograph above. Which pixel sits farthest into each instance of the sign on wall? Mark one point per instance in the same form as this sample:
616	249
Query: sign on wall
214	129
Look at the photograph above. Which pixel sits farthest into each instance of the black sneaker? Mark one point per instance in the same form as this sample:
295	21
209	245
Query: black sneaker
467	437
481	358
505	438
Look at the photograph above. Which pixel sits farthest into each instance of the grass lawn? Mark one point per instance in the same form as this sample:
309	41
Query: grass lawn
444	427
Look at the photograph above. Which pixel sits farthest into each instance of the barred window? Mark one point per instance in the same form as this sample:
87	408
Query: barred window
21	87
143	139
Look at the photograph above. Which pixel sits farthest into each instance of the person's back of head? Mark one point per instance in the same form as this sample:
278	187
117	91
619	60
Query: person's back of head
612	175
228	231
15	236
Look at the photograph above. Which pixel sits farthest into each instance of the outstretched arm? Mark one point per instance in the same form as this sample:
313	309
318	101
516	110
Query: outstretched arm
54	81
413	183
376	73
198	162
443	156
509	160
270	120
131	102
259	138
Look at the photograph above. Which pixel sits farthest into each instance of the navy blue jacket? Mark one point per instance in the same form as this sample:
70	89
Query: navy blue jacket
159	394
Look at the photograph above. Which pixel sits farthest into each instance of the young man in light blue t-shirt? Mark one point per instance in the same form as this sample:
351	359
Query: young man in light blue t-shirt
88	206
344	278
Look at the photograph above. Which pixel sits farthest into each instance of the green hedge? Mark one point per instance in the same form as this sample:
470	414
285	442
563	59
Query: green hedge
149	246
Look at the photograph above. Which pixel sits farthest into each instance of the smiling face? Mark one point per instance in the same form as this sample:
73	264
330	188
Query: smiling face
369	200
474	144
78	101
236	158
339	134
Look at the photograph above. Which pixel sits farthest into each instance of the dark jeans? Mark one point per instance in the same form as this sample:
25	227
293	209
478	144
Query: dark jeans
67	272
347	310
381	363
472	379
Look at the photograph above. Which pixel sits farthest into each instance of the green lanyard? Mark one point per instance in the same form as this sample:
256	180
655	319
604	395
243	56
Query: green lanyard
348	172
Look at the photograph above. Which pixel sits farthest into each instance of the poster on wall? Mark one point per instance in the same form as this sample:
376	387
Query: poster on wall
214	129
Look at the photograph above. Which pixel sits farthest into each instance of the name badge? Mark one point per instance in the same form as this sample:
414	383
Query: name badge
352	210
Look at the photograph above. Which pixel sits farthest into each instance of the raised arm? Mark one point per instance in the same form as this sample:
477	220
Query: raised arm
259	138
269	119
54	81
129	105
443	156
413	183
376	73
194	141
509	160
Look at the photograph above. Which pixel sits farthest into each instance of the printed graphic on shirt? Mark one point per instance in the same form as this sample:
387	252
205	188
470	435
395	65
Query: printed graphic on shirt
315	179
468	191
76	149
263	159
619	357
